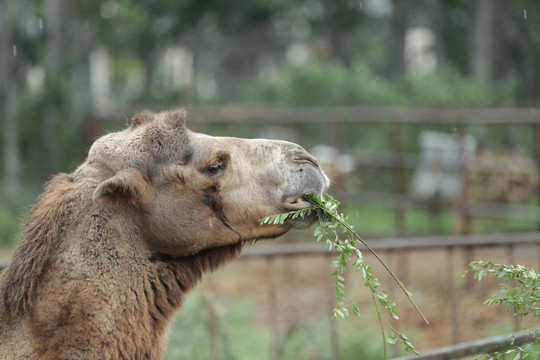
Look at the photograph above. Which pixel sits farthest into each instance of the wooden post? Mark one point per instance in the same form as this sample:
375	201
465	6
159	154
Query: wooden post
9	97
337	141
466	221
454	321
512	260
274	311
212	324
334	338
536	142
400	186
537	246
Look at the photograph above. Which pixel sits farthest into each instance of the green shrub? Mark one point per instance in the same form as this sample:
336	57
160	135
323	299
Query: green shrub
323	84
519	294
318	84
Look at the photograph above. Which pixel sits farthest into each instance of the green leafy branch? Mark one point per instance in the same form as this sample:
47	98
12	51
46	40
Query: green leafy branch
334	230
520	294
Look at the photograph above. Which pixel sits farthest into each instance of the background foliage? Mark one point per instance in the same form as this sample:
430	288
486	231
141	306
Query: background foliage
67	64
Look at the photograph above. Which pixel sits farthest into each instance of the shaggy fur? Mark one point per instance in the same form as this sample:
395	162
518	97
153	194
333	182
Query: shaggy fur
110	251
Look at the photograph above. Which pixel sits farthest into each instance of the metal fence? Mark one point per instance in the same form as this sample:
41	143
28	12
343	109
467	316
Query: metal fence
399	200
510	245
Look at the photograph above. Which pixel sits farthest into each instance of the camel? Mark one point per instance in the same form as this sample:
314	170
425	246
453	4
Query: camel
110	251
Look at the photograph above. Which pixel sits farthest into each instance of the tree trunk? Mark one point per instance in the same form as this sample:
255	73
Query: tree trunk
396	45
54	15
9	96
483	35
338	33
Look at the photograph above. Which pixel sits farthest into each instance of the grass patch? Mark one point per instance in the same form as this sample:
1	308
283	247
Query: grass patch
210	328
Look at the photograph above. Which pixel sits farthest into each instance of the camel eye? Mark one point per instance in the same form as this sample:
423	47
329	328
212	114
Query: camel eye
215	169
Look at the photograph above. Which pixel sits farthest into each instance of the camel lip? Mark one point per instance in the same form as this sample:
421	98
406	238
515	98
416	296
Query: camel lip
297	203
302	222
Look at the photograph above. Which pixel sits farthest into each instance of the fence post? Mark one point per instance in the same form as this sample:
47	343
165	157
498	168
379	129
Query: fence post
453	296
400	186
213	321
274	312
512	260
337	141
536	139
466	221
334	338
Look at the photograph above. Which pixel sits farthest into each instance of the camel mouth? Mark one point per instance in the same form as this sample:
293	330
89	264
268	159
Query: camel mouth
299	203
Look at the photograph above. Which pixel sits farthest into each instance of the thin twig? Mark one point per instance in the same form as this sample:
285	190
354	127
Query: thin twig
346	226
380	324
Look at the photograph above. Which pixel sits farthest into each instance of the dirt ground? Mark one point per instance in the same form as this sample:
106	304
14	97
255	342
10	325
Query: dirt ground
291	291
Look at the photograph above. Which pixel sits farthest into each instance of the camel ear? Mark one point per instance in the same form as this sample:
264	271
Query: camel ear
127	187
176	118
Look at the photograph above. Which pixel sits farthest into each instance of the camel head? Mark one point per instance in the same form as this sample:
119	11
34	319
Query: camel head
188	191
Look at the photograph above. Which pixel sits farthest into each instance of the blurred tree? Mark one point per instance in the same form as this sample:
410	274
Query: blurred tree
308	52
520	39
56	15
10	10
484	33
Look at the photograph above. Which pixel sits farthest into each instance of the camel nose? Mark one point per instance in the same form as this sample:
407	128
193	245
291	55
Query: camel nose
304	158
298	154
306	164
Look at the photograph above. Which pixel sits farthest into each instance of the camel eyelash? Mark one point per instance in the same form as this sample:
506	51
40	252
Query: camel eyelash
217	167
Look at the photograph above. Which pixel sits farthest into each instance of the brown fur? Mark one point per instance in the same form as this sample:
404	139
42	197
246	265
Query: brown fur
110	251
47	220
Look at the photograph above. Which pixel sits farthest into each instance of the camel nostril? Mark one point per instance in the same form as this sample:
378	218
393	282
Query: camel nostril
307	159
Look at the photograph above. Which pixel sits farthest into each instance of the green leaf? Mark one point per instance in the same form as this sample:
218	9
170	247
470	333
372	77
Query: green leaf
340	237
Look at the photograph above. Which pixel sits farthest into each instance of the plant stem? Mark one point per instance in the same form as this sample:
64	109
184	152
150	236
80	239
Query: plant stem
346	226
380	324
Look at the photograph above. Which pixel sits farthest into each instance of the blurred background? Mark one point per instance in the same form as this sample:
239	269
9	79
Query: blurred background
425	114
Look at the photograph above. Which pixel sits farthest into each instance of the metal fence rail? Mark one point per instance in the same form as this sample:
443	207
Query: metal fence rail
483	346
407	243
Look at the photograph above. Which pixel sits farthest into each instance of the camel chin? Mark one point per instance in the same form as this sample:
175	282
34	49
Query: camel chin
302	223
